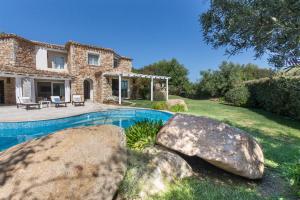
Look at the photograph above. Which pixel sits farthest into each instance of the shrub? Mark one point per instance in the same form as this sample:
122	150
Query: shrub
238	96
278	95
142	134
159	106
177	108
293	172
159	96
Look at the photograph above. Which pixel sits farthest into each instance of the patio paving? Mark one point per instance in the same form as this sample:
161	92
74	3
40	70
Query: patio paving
14	114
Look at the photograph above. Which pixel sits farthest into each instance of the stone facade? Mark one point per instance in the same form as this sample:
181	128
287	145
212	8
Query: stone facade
9	90
25	54
81	70
18	57
7	52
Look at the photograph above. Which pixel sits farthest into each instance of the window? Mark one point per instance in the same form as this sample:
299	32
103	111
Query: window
44	89
47	89
116	62
58	62
93	59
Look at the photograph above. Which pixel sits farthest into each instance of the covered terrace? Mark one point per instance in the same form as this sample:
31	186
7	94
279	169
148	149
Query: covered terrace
135	75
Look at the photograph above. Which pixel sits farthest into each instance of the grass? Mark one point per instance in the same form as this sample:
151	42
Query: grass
193	189
279	137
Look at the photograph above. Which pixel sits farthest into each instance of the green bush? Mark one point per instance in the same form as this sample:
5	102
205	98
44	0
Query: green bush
294	173
142	134
238	96
177	108
159	96
159	106
278	95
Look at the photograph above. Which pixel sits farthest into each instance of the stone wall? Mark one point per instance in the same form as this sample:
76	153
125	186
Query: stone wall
81	70
125	65
7	52
25	54
9	90
18	55
106	83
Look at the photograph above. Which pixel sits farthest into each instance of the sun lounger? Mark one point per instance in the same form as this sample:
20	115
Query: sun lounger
57	102
77	100
26	101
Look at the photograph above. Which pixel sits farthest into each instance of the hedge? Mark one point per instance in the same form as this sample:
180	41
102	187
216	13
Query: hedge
277	95
238	96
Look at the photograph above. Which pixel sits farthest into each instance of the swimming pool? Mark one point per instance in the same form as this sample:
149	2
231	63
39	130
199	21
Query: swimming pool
12	133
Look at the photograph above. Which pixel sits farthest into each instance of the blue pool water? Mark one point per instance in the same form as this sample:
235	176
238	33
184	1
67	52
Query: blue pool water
12	133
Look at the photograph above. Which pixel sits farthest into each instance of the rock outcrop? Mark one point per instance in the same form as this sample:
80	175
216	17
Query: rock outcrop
79	163
173	102
226	147
151	171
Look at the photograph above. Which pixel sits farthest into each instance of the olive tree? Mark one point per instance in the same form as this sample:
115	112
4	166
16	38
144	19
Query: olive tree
269	27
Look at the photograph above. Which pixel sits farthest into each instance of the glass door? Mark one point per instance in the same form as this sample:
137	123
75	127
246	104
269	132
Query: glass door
59	90
124	88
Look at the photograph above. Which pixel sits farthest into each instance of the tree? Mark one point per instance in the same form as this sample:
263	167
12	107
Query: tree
267	26
217	83
179	82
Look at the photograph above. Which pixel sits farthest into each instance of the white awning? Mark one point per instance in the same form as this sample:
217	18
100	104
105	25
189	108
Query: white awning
134	75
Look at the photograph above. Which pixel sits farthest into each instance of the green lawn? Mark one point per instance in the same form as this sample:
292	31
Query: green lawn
279	137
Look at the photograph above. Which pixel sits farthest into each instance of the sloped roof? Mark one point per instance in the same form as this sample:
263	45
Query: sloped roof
60	47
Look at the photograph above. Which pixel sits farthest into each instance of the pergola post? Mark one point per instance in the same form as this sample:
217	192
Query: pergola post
120	87
151	88
67	91
167	92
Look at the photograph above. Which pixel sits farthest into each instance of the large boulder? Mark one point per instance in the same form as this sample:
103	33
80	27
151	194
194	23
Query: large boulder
226	147
173	102
151	171
79	163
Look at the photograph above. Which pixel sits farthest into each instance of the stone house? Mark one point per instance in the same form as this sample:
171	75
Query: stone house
39	70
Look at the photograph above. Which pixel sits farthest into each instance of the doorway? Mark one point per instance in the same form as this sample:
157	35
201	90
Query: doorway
2	92
88	89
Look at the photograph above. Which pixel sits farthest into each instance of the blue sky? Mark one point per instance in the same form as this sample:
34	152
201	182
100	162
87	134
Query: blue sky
146	30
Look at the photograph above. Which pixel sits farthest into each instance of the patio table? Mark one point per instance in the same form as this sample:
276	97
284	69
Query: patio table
48	103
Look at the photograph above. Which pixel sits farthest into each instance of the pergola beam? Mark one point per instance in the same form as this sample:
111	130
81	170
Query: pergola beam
134	75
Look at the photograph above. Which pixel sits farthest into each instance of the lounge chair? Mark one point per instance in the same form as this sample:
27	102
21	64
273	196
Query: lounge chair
77	100
26	101
57	102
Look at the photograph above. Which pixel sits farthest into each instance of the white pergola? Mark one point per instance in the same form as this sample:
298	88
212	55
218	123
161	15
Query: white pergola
134	75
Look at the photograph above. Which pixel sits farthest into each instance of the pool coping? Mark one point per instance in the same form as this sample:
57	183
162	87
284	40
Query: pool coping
84	113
